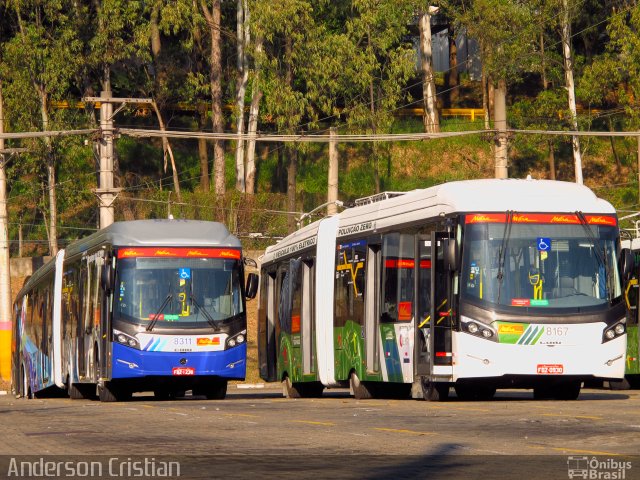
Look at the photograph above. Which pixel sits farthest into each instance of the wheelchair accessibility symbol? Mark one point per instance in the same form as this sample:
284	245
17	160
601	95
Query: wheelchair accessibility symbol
185	273
544	244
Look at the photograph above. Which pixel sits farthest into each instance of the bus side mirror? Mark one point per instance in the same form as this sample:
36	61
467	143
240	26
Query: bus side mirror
107	278
250	262
252	286
627	263
451	260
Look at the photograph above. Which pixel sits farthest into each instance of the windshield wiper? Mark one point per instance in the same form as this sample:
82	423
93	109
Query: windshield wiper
160	310
503	250
599	251
210	319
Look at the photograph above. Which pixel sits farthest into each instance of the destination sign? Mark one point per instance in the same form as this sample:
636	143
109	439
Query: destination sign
296	247
358	228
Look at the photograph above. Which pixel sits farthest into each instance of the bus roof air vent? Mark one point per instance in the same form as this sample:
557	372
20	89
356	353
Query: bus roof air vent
378	197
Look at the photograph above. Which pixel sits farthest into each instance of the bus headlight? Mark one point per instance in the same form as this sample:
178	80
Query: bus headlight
124	339
237	339
478	329
614	331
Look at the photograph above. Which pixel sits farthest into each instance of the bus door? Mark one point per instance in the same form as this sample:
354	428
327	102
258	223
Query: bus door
267	356
371	307
104	316
308	322
422	295
441	311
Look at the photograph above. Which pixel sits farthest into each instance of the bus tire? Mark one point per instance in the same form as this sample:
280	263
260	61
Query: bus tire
217	391
568	390
619	384
109	393
289	389
26	389
542	393
73	391
360	390
474	392
435	391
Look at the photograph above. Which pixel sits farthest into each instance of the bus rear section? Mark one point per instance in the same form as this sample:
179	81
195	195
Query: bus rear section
178	322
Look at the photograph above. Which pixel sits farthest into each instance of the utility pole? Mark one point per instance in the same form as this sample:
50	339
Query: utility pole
332	191
5	264
106	192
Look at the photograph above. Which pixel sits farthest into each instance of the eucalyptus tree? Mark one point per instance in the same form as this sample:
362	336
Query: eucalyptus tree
505	30
287	28
612	80
43	56
380	64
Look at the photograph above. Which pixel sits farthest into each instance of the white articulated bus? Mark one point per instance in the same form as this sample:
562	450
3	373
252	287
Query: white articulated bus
475	285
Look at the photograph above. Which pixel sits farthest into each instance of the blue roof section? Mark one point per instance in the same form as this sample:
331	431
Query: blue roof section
161	233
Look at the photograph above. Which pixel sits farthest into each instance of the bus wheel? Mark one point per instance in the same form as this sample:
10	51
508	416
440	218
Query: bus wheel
471	393
26	389
289	390
619	384
108	393
162	394
217	391
568	391
359	389
74	392
435	391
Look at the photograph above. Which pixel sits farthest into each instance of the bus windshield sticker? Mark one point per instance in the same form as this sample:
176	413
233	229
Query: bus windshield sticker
185	273
543	243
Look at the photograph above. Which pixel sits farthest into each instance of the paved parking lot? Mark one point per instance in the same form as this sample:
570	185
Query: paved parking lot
257	428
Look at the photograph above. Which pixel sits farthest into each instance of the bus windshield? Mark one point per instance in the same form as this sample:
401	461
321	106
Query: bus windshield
521	262
191	292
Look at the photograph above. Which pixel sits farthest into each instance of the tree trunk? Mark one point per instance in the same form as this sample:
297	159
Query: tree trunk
568	74
616	157
430	117
485	99
166	149
543	66
5	264
374	147
452	76
552	160
292	171
332	187
242	34
213	21
501	155
51	177
154	30
203	155
256	96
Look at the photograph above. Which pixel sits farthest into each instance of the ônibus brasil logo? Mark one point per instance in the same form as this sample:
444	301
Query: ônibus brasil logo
595	468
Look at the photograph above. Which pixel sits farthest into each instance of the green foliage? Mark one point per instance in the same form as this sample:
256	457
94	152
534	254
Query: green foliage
347	64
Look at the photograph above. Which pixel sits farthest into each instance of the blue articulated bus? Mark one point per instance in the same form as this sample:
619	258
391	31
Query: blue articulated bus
146	305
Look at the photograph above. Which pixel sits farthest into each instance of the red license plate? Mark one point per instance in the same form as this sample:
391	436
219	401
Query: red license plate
184	371
550	369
